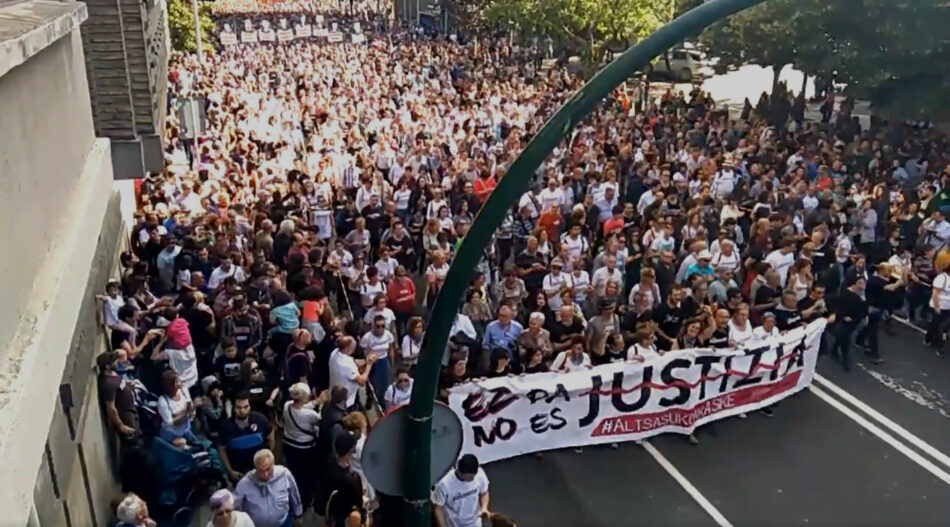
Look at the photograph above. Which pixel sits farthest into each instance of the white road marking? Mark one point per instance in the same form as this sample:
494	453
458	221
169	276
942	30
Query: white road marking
925	463
905	434
919	394
909	324
693	492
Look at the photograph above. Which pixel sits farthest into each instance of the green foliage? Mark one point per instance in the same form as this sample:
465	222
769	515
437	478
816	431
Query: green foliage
894	53
589	25
181	25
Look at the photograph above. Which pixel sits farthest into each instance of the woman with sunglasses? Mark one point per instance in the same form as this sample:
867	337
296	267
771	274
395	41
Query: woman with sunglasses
223	513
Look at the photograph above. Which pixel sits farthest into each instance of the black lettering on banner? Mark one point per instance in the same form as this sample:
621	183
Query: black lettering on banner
538	394
559	392
706	362
752	378
799	360
502	428
478	406
725	377
779	352
593	407
557	420
540	423
617	392
666	375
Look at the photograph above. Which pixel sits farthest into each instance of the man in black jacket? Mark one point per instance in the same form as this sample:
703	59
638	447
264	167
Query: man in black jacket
850	312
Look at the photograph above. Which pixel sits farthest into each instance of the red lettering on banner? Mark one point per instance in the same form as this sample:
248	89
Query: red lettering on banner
685	417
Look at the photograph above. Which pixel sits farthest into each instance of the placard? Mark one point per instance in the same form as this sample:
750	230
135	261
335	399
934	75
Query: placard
248	37
335	37
303	31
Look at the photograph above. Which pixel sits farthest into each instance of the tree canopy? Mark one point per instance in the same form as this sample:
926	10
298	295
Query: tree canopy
181	25
588	25
891	52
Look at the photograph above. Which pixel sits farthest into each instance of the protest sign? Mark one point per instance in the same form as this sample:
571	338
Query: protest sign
228	36
303	31
335	36
677	392
358	38
248	37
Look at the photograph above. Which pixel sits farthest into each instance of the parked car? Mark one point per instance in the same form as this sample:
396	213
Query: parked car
682	66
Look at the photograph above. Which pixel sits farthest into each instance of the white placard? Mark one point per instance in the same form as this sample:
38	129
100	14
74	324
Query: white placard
335	36
676	392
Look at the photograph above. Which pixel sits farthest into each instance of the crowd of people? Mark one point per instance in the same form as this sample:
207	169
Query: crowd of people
284	265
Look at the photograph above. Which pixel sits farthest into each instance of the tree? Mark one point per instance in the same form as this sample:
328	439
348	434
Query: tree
589	25
181	25
890	52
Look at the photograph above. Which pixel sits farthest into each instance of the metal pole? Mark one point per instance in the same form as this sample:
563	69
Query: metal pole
508	191
194	12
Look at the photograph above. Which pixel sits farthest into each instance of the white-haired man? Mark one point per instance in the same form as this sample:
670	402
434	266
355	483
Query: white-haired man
269	494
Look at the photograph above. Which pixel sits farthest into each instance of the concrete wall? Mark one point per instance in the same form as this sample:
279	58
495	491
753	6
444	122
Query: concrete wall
61	218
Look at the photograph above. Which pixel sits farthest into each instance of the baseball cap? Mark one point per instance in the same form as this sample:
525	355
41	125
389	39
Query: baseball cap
704	255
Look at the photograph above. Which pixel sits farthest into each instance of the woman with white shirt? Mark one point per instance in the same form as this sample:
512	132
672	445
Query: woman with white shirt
301	423
740	329
644	346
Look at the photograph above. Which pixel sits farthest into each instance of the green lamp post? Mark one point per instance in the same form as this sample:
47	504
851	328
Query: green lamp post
509	190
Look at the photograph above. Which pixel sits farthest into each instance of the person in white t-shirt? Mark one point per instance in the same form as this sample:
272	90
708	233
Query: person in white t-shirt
940	303
460	498
400	391
380	344
782	259
345	373
552	195
767	329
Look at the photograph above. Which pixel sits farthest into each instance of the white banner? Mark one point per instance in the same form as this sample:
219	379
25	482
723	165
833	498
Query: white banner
677	392
248	37
265	35
228	38
335	37
303	31
285	35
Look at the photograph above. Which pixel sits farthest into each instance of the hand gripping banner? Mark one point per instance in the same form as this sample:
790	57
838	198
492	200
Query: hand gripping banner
677	392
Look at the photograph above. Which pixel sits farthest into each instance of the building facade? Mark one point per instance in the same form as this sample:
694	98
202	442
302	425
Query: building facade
63	221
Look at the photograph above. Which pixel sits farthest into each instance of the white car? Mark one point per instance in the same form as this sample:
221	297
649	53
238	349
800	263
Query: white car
682	66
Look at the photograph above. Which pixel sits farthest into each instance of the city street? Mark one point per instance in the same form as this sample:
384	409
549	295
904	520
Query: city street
859	448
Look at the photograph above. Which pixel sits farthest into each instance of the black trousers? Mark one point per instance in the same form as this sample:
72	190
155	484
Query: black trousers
300	462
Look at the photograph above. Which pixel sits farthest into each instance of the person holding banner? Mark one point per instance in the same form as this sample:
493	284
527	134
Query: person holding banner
574	358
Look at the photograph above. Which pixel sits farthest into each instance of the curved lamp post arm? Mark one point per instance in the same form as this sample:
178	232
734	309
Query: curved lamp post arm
508	191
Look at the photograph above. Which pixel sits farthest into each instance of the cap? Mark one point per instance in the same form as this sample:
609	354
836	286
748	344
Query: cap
768	314
704	255
606	303
468	464
557	261
105	359
678	177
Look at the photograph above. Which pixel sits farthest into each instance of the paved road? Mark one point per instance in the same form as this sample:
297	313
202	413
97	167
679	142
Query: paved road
809	465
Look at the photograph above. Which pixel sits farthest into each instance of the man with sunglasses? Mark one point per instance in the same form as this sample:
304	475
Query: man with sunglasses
399	392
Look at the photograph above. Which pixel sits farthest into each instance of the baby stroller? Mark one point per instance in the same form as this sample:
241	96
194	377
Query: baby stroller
188	477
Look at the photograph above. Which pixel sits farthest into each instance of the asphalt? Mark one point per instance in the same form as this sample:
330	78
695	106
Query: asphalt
810	464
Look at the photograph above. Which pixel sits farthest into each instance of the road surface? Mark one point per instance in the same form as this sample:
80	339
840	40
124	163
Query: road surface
865	448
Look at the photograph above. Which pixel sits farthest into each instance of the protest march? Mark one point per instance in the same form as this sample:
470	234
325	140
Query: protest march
673	264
